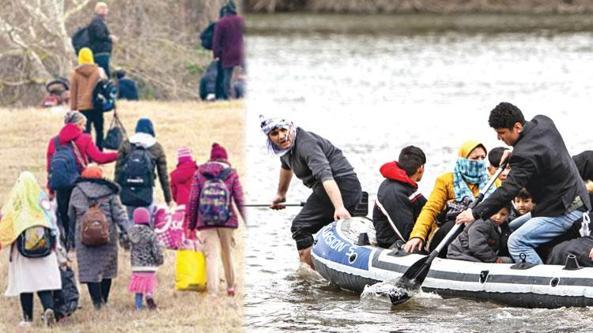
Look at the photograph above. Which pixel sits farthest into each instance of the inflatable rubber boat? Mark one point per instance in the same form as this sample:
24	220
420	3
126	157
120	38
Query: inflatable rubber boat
339	259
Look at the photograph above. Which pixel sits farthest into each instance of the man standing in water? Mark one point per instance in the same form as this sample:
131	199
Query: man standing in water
539	162
323	168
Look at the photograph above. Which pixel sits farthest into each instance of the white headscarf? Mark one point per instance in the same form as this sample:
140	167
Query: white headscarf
269	124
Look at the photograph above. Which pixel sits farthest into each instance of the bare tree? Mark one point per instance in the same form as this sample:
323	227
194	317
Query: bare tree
158	44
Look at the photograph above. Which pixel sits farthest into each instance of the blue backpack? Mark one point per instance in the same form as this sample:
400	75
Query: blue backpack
215	200
63	170
104	96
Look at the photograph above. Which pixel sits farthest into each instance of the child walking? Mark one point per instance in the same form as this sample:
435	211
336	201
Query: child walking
145	256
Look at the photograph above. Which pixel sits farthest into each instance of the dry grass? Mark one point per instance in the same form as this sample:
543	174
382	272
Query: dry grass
24	136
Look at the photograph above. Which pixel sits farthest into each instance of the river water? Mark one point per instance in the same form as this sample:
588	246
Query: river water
373	85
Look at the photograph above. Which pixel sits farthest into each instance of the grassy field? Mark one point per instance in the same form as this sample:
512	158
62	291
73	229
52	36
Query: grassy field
24	136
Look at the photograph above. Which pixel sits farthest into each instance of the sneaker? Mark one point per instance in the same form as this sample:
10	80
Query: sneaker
150	304
230	291
25	324
49	318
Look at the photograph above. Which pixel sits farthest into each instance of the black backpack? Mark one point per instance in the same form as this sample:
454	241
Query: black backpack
36	242
137	178
80	39
207	35
104	95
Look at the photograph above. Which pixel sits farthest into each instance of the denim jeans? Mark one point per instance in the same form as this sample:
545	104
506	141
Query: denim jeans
102	60
538	231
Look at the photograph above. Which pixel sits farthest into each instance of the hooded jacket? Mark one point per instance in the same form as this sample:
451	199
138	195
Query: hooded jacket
227	41
146	254
480	242
541	164
88	151
157	154
214	169
400	197
83	80
97	262
181	179
442	192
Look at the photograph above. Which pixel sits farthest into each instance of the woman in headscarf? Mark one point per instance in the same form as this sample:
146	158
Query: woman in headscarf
97	265
83	81
461	185
323	168
28	207
220	233
144	140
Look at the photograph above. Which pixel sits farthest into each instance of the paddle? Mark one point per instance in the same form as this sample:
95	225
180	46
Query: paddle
412	279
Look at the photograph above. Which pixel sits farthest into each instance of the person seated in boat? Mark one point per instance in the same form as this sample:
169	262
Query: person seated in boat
323	168
494	157
461	185
398	201
540	163
482	240
521	213
584	163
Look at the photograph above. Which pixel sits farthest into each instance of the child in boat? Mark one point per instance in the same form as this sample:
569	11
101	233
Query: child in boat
481	240
523	203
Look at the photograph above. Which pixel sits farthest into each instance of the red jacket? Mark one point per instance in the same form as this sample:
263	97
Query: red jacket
84	142
180	180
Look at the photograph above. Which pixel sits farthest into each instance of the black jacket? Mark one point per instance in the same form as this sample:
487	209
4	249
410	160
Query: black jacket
403	203
99	36
540	162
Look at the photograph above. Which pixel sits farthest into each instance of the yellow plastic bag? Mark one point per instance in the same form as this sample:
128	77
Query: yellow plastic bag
190	270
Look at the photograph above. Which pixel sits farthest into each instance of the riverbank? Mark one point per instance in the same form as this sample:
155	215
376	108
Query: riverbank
414	23
25	133
422	6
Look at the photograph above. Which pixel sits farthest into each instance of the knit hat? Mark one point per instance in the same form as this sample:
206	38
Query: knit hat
144	125
218	152
73	117
141	216
85	56
92	171
184	155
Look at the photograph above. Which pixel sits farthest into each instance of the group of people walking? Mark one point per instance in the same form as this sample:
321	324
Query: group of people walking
93	216
536	204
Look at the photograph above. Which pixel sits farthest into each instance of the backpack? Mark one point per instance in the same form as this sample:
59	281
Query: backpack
36	242
207	35
80	39
137	178
94	228
215	200
63	170
104	95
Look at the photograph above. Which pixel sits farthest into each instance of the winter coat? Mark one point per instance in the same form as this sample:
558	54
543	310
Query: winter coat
540	162
442	193
146	254
181	179
480	241
400	197
213	169
88	151
126	89
97	262
99	36
157	154
83	80
227	42
584	163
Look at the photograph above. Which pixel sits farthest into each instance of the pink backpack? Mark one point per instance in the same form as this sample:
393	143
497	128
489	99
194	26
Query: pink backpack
168	226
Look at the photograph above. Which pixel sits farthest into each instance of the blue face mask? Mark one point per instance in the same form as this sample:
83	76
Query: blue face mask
468	172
